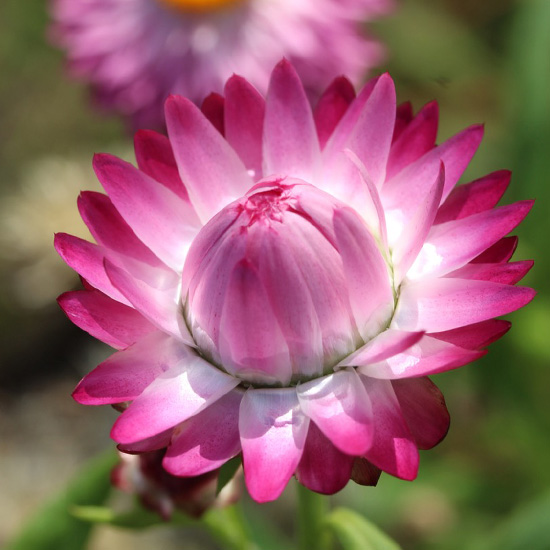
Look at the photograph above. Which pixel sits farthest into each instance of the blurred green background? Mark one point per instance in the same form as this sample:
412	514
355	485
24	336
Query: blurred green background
487	486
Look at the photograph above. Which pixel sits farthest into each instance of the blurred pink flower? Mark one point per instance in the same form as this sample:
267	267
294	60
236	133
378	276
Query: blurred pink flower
136	52
290	299
161	492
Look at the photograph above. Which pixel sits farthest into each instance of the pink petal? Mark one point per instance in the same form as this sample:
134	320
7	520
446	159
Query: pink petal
213	173
423	407
207	440
331	107
415	140
411	239
109	228
323	468
291	146
174	396
263	352
213	109
393	449
162	220
125	375
154	443
341	409
505	273
476	336
388	343
472	198
403	117
111	322
273	433
443	304
244	122
156	297
427	356
501	251
154	156
452	244
405	190
87	260
366	273
371	136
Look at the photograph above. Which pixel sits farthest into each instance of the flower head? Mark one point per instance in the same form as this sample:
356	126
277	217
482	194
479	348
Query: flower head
281	286
136	52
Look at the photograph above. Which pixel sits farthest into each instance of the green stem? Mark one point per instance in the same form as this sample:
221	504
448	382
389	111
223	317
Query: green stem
312	510
228	527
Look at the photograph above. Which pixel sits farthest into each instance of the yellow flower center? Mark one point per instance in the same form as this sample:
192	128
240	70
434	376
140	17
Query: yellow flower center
200	6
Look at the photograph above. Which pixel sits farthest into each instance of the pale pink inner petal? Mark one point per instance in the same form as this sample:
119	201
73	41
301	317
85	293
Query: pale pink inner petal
291	146
341	408
213	173
176	395
207	440
273	433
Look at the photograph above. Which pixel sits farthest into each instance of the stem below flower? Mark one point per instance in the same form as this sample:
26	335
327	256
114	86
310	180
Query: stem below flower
312	509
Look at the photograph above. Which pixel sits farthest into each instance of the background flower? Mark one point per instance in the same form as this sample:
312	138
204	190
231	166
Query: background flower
290	299
136	52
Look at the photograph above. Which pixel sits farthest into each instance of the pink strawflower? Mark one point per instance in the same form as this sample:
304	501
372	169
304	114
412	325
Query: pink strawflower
143	475
289	301
137	52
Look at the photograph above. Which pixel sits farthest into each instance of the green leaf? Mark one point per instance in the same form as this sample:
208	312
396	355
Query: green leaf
54	527
227	472
357	533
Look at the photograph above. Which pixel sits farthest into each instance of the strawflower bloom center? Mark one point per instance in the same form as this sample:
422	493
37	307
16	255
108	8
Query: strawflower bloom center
201	6
268	290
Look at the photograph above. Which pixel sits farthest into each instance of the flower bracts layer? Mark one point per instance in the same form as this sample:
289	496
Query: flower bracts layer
280	282
136	52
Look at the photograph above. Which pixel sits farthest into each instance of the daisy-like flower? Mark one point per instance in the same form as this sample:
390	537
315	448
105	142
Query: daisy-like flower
280	283
136	52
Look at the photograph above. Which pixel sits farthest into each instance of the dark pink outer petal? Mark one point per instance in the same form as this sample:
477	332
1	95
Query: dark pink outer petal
212	108
477	196
154	443
244	122
423	407
403	116
443	304
475	336
273	433
501	251
163	221
125	375
213	173
331	107
154	156
452	244
341	408
111	322
368	282
393	449
323	468
505	273
87	259
207	440
174	396
415	140
290	142
110	230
